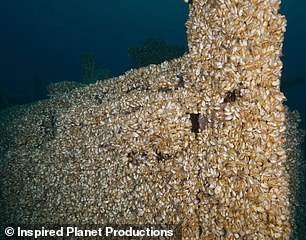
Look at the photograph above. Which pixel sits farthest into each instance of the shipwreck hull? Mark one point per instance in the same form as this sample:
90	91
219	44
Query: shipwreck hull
198	141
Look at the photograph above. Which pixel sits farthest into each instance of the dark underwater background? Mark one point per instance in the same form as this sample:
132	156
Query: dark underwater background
44	41
51	41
